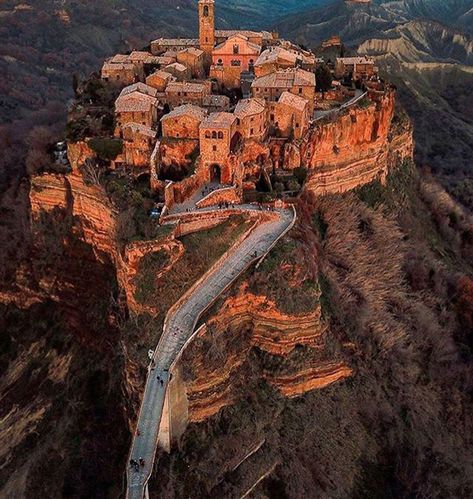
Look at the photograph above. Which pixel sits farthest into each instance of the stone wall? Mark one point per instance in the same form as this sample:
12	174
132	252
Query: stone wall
228	195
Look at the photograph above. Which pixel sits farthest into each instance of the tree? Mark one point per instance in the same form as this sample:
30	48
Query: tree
324	78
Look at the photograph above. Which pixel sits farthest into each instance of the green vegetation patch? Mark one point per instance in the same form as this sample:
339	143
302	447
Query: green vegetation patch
202	250
106	148
278	279
145	281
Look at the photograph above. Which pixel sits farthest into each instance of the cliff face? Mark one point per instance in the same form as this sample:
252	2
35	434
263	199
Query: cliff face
357	148
289	351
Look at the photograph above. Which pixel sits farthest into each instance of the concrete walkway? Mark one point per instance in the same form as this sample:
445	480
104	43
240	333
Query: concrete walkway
179	327
318	115
200	194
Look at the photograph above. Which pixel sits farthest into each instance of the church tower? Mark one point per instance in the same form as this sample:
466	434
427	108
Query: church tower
207	26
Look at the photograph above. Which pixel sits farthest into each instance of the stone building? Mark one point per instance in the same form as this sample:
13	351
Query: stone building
251	117
274	58
136	107
290	116
138	144
180	93
207	27
179	71
121	74
216	103
193	59
183	122
219	137
231	58
261	38
358	68
296	81
141	88
160	80
161	45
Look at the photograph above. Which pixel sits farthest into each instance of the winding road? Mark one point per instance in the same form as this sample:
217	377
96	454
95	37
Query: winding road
179	328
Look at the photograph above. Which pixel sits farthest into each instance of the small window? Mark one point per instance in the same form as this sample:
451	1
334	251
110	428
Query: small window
207	135
220	62
206	11
236	49
236	62
220	135
300	90
252	131
271	117
214	148
214	135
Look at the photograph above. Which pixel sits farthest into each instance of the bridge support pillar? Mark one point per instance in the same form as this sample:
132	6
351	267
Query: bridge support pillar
175	415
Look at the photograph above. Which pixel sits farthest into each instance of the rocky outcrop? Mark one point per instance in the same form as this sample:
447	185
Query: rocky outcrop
245	323
354	149
88	203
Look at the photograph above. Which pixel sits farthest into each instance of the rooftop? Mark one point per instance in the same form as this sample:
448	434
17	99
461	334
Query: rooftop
170	42
176	66
249	107
193	51
216	101
135	102
186	86
111	66
294	101
141	129
219	120
161	73
187	110
272	55
139	87
286	78
251	45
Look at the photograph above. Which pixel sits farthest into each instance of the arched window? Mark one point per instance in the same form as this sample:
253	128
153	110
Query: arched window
220	135
236	62
206	11
207	134
214	135
236	49
220	62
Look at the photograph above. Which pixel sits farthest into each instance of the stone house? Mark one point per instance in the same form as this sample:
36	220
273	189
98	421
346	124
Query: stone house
138	144
297	81
136	107
193	59
290	115
183	122
231	58
160	80
162	45
274	58
251	117
142	88
180	93
219	137
179	71
359	68
216	103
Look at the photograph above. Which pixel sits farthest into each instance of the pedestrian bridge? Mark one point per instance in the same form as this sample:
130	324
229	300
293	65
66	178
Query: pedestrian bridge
179	329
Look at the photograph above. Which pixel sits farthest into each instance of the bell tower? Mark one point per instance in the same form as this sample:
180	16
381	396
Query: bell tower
207	26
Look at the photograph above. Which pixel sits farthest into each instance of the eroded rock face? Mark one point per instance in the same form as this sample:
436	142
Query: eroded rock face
357	148
291	348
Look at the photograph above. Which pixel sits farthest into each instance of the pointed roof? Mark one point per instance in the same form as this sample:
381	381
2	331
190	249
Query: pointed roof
195	112
286	78
294	101
250	107
141	88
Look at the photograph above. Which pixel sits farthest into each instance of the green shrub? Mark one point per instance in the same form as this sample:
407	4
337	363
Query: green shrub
105	148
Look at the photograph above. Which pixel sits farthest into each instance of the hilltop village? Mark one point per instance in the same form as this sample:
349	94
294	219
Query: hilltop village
232	109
